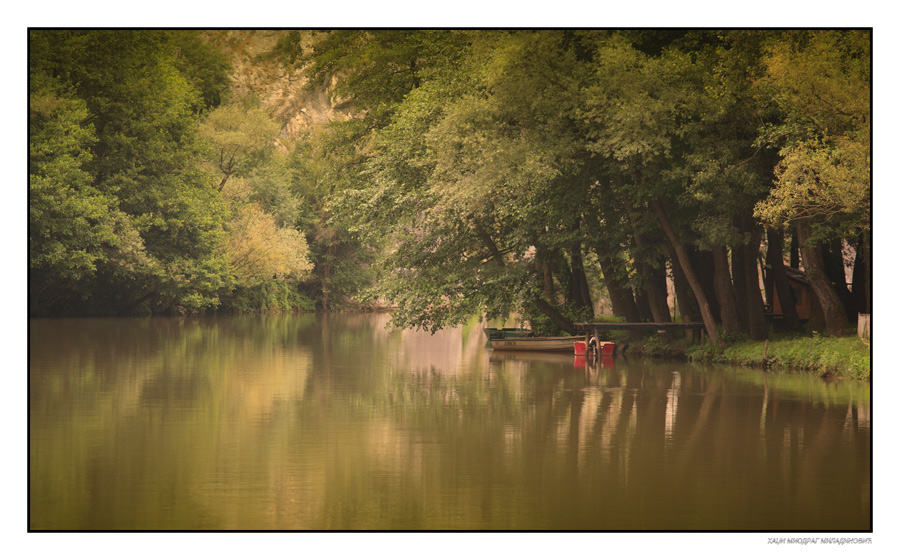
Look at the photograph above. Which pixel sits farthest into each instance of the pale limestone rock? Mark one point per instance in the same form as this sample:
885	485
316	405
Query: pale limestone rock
276	86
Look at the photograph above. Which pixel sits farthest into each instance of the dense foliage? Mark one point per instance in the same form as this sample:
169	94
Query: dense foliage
481	173
509	169
130	147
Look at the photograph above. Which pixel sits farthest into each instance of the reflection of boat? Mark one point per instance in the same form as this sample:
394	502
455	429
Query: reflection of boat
509	332
606	362
532	357
537	343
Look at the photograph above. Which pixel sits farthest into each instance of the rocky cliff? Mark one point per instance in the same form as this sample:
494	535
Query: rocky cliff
278	87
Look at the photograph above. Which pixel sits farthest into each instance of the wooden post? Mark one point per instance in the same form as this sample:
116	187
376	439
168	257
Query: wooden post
864	326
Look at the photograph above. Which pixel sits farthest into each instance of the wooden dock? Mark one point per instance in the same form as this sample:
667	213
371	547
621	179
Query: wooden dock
594	328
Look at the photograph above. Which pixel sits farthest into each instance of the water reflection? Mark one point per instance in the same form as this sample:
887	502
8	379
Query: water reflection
672	405
334	422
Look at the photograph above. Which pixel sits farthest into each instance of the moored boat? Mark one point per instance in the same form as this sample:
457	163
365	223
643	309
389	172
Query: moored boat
508	332
537	343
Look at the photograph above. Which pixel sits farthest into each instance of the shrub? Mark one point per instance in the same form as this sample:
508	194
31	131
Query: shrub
270	296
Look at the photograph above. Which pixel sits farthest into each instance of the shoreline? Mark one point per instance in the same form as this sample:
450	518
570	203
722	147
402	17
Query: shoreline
834	358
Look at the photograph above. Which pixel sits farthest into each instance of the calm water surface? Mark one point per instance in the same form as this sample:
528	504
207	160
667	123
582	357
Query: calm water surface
334	422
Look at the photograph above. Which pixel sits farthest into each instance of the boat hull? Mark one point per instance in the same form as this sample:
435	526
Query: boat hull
538	343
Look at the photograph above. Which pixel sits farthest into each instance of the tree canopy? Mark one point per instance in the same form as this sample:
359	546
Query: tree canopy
536	172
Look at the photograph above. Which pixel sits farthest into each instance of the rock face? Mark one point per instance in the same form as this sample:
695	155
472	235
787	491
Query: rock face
278	87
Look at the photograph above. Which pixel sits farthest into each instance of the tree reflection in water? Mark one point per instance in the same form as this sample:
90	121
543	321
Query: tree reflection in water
334	422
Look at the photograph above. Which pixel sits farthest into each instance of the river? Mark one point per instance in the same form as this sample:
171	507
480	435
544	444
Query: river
333	422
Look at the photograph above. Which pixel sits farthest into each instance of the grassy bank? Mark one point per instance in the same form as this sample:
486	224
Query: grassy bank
847	357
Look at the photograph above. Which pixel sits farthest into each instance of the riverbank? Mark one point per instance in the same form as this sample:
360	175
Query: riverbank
846	357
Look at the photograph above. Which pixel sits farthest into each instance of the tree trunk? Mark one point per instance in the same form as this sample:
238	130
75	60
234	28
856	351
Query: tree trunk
586	294
795	251
860	276
653	294
832	309
620	294
686	302
558	318
739	279
705	311
643	304
725	290
545	269
816	321
326	275
756	318
704	268
579	292
775	260
867	239
549	291
833	257
654	283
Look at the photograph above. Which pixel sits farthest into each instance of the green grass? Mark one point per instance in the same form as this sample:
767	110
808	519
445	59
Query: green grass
842	357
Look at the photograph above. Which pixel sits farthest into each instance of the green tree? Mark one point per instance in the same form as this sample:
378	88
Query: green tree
265	249
480	173
143	110
371	73
325	168
205	67
821	82
70	223
724	175
259	250
637	106
240	136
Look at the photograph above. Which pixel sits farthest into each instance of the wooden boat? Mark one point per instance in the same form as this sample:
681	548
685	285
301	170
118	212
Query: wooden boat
537	343
509	332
